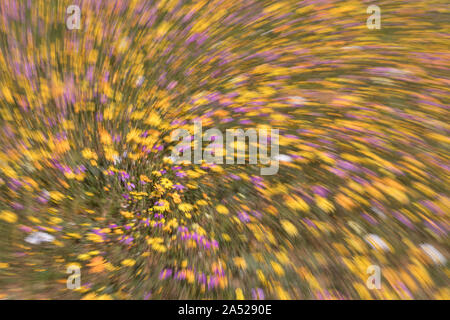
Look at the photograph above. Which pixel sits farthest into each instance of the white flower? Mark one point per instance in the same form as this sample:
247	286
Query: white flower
140	81
282	157
376	242
117	159
38	237
398	71
352	47
45	194
379	212
433	253
296	100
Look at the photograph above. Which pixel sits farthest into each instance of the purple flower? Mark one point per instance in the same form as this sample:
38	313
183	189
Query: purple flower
258	294
178	186
148	295
180	174
17	206
243	216
321	191
165	273
123	175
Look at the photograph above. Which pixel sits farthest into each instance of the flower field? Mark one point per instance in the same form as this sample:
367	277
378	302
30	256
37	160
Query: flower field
87	177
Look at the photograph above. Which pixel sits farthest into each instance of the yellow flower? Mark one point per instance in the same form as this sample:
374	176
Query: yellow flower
4	265
58	243
324	204
69	175
127	214
397	194
156	240
363	293
156	173
7	94
83	256
94	237
344	201
166	183
162	206
74	235
56	195
239	294
8	216
240	262
282	294
261	276
159	248
289	227
89	154
297	203
222	209
282	257
277	268
34	219
55	220
185	207
109	267
73	265
89	296
110	153
128	262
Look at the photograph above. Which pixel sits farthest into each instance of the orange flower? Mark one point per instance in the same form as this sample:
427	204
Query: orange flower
97	265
